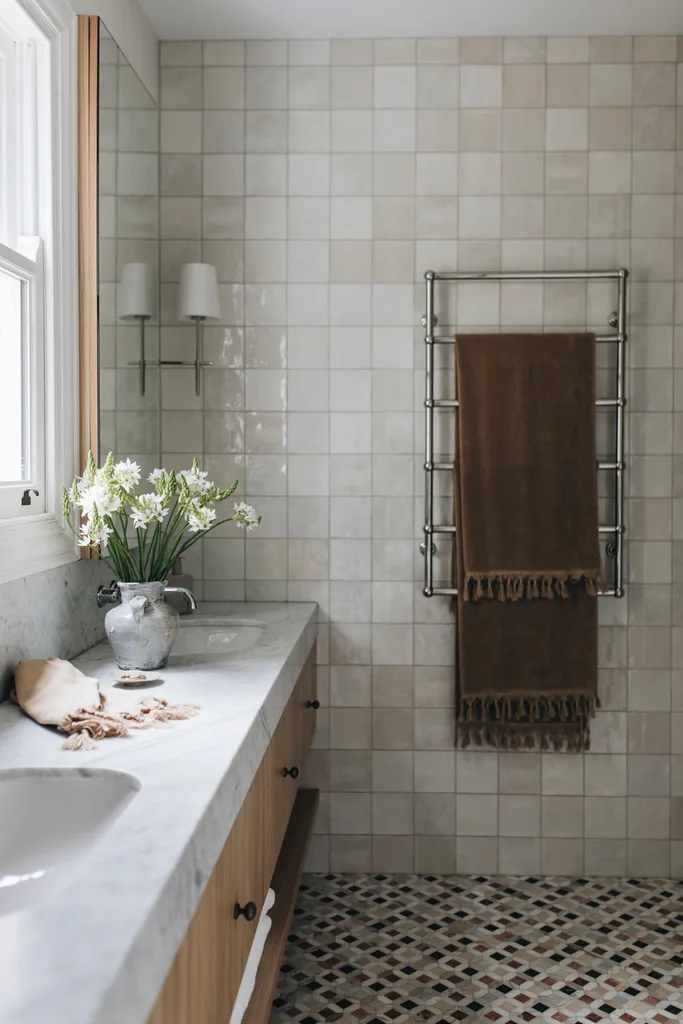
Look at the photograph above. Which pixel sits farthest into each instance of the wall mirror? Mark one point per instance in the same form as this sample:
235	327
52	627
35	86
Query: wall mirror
119	253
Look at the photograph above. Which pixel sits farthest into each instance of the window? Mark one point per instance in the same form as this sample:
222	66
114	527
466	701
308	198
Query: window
24	165
38	335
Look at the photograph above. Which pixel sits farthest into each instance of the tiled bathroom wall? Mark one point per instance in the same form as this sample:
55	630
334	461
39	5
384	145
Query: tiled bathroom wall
323	179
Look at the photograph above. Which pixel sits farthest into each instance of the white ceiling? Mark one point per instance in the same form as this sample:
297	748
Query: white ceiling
323	19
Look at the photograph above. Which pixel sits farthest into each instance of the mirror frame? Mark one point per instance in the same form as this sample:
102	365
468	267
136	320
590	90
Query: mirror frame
88	341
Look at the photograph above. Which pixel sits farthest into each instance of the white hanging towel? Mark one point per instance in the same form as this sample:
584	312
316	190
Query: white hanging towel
248	982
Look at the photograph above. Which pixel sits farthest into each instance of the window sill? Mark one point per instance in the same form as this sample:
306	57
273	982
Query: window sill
32	545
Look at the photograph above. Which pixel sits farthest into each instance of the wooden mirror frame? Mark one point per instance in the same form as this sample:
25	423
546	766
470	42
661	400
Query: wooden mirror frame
88	248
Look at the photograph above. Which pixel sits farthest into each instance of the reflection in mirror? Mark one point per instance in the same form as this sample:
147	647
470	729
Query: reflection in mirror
128	240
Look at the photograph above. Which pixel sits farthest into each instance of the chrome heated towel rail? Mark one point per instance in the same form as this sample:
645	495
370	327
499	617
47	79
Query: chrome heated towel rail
617	321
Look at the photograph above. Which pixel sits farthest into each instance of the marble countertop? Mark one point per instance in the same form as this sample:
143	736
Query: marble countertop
98	949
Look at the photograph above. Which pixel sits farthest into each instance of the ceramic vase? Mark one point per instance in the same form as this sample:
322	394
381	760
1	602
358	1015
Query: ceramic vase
142	629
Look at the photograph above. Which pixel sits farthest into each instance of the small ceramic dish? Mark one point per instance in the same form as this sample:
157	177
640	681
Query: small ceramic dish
135	677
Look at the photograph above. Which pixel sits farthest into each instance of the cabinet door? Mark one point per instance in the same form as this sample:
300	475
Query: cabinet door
280	789
305	695
205	977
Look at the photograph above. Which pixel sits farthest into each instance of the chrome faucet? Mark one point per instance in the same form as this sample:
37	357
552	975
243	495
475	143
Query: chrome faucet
187	594
112	595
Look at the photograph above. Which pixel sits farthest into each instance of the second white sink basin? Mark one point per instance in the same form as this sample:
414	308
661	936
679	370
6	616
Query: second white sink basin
217	637
48	819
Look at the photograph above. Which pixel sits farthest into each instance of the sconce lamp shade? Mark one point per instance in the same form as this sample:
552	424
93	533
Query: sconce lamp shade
136	294
198	295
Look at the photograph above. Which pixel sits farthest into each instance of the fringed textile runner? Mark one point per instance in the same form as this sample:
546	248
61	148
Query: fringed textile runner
528	564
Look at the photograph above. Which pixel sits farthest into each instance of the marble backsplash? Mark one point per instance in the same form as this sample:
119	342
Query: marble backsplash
50	614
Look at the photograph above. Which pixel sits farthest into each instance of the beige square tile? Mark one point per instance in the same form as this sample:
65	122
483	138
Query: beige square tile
435	771
562	816
562	774
350	729
519	773
476	815
524	130
649	775
648	858
475	854
524	85
435	854
349	813
610	128
392	729
350	771
568	49
519	816
611	85
524	50
605	857
393	854
567	85
438	51
350	853
438	131
481	50
435	814
392	814
480	131
611	49
392	771
519	856
605	817
649	732
605	774
562	857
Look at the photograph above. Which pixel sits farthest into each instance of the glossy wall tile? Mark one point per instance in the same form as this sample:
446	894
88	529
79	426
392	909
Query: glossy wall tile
322	179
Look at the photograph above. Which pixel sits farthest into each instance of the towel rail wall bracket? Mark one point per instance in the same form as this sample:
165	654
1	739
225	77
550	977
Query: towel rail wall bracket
617	320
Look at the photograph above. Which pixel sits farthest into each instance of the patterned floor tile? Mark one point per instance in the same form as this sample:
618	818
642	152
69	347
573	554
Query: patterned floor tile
377	949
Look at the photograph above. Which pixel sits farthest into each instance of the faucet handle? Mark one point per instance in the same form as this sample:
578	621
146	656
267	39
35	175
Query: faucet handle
108	595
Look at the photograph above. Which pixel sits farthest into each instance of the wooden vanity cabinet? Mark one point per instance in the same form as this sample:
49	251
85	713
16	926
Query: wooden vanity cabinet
266	846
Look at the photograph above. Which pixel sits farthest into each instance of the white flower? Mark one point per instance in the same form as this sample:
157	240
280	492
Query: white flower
75	492
95	532
101	497
245	515
200	519
149	508
158	477
126	474
196	480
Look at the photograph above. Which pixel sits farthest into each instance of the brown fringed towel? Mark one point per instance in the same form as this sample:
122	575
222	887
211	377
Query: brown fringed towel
527	555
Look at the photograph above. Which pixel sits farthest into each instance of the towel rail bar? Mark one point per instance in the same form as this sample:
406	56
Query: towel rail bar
618	321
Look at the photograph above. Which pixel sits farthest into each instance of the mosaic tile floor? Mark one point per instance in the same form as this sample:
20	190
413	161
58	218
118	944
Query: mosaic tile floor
366	949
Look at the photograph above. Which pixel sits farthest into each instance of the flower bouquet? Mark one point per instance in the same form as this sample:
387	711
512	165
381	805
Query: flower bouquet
140	536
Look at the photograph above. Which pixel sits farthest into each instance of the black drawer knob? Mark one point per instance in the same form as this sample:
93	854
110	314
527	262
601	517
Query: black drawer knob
248	911
314	704
292	772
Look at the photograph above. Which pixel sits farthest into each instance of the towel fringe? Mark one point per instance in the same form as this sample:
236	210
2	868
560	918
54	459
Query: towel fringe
513	587
557	721
85	726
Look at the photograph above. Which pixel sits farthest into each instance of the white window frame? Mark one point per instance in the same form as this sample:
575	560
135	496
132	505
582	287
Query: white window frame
40	540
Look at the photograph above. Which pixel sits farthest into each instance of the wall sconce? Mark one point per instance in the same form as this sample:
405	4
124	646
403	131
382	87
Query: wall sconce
136	302
198	301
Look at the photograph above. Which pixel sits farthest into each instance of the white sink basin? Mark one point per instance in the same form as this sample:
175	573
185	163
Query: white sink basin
48	819
217	638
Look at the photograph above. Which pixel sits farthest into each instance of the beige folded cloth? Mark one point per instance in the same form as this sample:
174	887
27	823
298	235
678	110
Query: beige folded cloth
54	692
